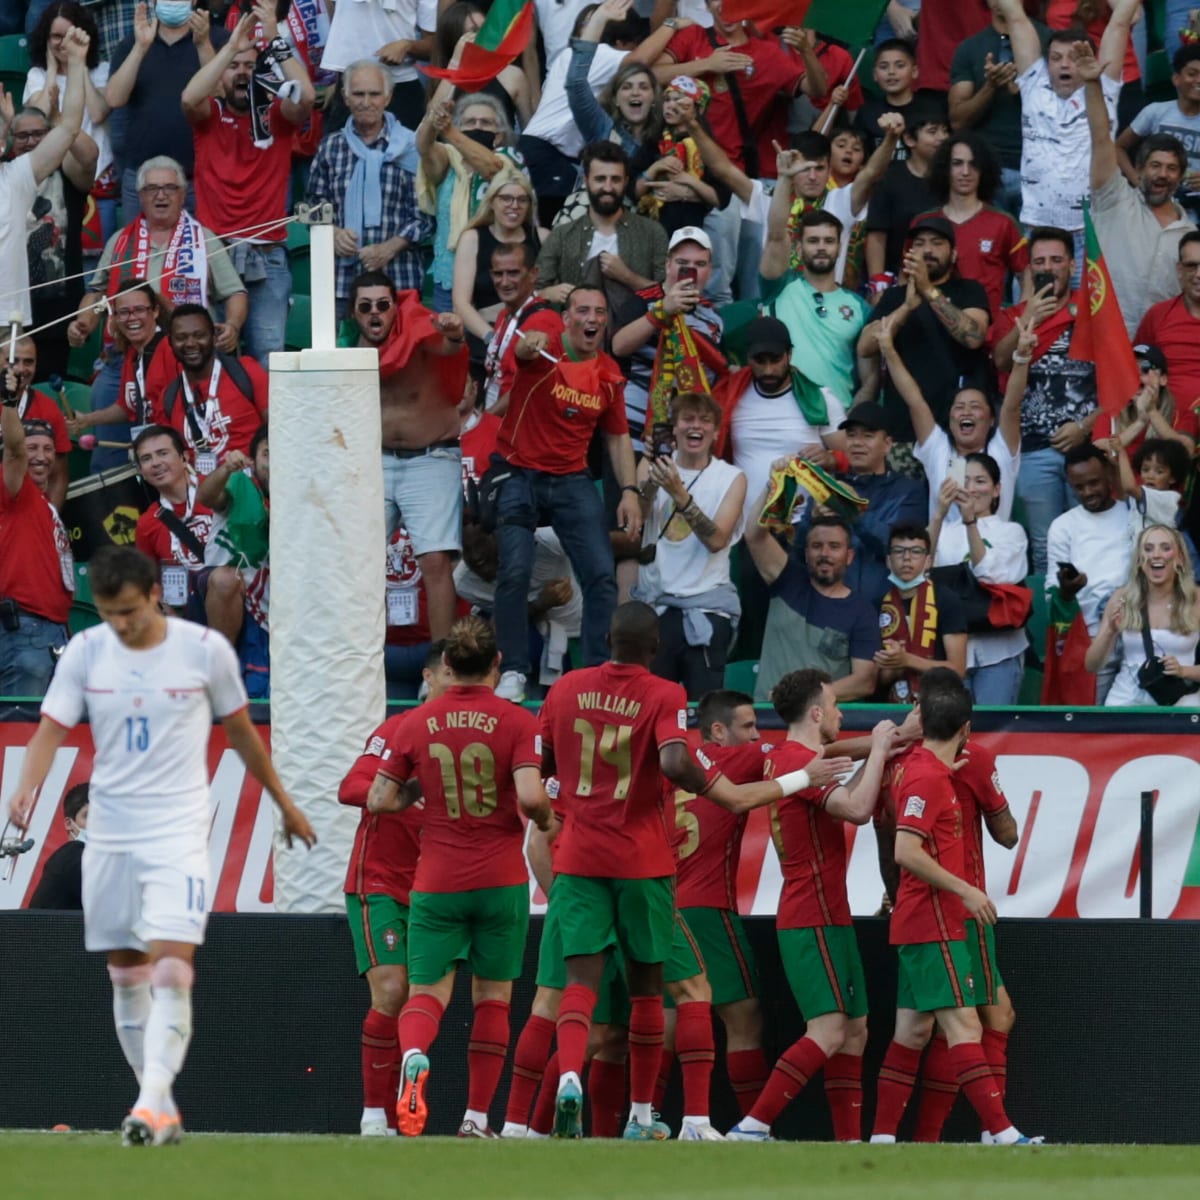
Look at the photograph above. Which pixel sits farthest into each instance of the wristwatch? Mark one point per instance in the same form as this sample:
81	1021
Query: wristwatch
671	22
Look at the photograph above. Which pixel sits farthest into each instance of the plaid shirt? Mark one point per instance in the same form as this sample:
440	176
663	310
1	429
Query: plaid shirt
328	179
114	22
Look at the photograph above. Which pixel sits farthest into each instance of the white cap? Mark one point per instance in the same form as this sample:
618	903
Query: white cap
690	233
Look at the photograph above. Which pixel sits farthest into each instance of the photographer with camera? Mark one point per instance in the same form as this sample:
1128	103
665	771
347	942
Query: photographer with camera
1155	618
692	511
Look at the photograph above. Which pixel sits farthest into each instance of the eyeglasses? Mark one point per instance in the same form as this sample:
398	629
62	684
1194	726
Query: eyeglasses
160	189
819	300
519	201
1189	268
366	306
134	310
908	551
30	135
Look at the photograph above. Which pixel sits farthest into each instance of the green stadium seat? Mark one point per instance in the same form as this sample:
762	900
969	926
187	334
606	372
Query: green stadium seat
742	676
299	258
1039	615
81	362
299	323
14	63
83	611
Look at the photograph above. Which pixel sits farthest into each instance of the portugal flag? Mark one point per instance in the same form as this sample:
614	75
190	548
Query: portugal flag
853	23
501	40
1100	335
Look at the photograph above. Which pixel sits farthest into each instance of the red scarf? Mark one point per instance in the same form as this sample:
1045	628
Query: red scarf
913	623
413	327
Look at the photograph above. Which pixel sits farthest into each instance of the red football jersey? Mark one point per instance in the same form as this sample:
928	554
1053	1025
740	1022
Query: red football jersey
464	747
977	786
605	726
155	538
811	846
384	859
925	804
709	837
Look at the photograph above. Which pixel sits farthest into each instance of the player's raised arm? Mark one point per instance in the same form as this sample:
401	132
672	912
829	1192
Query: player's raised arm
856	801
243	737
38	756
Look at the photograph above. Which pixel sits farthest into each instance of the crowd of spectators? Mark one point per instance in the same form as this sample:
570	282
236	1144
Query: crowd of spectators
673	308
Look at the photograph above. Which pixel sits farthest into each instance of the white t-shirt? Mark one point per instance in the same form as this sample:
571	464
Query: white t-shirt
361	28
151	714
936	453
1056	148
602	243
1096	544
17	190
556	19
838	201
553	121
36	80
1157	508
765	428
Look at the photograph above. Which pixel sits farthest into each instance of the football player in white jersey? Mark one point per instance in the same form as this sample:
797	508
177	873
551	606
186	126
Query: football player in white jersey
150	686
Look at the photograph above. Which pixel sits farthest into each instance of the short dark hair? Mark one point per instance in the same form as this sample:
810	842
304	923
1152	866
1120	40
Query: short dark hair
584	287
633	631
1189	52
1170	453
370	279
605	152
797	692
75	799
899	44
433	658
910	531
471	647
986	163
1052	233
818	216
719	706
111	568
940	678
158	431
1085	452
189	310
1192	236
1161	143
1070	35
526	249
829	521
944	710
129	287
260	435
813	145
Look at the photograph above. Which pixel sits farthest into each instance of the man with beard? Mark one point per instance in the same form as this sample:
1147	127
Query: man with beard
1139	228
422	369
243	165
942	324
1174	327
632	250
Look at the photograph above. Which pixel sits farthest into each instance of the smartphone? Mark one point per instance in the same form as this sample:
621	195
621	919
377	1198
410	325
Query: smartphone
1042	279
686	273
958	471
663	440
1068	569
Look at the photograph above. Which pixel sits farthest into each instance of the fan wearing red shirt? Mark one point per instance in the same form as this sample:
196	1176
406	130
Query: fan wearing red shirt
816	936
378	881
216	401
478	760
607	732
933	901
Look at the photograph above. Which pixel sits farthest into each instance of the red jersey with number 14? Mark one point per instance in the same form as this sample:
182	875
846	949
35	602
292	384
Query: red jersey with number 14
811	846
924	798
464	748
605	726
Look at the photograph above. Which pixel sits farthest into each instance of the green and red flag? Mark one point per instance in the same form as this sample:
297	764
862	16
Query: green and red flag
501	40
853	23
1100	335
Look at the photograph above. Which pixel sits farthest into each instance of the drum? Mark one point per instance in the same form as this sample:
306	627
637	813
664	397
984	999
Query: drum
103	510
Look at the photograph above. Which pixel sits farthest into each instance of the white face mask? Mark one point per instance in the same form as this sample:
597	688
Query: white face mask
906	587
173	13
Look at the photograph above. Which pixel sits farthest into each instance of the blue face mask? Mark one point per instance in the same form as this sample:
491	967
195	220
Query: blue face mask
173	13
906	587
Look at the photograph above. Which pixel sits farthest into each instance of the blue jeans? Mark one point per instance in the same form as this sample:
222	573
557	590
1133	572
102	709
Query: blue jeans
26	655
264	271
998	684
570	504
1045	494
106	390
1008	197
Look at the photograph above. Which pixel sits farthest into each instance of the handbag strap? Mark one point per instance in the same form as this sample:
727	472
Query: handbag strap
1147	643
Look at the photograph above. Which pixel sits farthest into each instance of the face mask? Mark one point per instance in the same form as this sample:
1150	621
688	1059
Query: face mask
173	13
483	137
906	587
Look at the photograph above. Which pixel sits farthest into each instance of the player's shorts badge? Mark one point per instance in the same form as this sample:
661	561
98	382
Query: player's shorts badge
390	940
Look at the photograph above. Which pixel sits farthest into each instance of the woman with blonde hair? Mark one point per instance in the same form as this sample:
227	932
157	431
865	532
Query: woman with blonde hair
1156	616
507	216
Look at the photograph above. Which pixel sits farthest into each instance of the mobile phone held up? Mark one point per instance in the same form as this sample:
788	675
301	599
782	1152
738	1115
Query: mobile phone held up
1042	280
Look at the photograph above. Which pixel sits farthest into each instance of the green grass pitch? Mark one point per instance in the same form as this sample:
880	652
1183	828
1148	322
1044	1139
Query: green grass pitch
36	1166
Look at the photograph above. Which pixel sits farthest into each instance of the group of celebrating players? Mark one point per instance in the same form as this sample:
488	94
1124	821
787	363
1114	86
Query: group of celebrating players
638	831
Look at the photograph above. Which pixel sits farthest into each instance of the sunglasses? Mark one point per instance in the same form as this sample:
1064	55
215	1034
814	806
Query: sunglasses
366	306
819	300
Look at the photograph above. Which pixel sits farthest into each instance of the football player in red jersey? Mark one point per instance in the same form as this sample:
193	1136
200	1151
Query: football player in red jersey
607	731
378	881
816	935
933	900
478	761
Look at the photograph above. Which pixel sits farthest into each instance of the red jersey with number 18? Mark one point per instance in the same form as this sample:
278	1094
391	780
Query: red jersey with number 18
605	726
925	802
811	846
464	747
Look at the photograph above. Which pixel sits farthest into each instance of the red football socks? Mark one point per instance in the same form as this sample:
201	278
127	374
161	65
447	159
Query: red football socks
664	1078
694	1046
843	1090
574	1022
748	1071
486	1052
380	1058
419	1021
995	1050
645	1045
939	1090
542	1120
606	1097
977	1081
796	1066
897	1076
529	1062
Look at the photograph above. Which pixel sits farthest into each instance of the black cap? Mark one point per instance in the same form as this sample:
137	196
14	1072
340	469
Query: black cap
767	335
1151	354
869	416
933	224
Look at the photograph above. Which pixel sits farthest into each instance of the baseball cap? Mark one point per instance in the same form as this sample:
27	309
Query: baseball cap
1151	355
933	224
869	416
690	233
767	335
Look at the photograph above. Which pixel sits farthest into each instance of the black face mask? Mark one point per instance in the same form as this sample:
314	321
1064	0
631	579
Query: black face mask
482	137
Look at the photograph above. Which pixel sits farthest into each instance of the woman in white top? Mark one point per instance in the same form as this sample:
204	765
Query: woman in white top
995	551
1162	584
